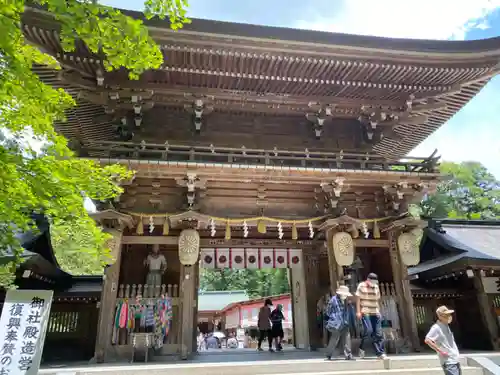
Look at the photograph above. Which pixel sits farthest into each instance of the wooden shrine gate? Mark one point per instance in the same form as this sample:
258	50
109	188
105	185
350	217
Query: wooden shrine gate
268	258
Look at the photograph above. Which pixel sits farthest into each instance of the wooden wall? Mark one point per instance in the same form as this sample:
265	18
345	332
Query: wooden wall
374	260
71	331
252	130
133	270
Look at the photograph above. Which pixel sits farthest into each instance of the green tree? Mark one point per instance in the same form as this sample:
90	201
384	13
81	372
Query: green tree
51	179
75	250
470	192
257	283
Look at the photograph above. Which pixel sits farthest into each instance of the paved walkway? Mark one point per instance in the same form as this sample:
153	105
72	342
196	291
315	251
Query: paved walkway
241	356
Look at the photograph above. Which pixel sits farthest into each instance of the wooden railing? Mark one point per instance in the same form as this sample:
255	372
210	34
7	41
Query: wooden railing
388	307
146	291
275	157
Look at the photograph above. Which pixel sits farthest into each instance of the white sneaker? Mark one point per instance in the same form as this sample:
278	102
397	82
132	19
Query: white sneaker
382	356
361	353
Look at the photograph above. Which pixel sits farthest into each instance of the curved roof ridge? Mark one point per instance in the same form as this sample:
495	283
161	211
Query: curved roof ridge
329	37
294	35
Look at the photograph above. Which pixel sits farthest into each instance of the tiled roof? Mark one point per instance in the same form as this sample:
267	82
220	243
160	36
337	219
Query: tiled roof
217	300
483	239
465	240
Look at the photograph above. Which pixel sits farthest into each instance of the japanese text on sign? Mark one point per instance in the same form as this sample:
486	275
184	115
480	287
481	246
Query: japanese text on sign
23	325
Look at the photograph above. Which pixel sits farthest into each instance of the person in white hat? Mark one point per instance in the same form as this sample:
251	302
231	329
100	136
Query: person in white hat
337	323
440	338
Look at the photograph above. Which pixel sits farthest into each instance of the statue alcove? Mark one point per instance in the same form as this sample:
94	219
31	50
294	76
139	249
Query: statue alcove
133	270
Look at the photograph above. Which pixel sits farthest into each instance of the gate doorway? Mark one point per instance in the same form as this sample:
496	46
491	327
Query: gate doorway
237	320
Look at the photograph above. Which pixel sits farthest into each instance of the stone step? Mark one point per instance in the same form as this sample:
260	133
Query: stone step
428	365
409	371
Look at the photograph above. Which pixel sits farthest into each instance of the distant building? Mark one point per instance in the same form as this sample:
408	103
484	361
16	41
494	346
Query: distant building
244	314
211	304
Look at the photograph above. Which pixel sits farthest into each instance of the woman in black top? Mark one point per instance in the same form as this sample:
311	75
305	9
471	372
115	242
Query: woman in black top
277	318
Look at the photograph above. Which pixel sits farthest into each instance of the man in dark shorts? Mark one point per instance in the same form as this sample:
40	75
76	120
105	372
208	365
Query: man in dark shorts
277	318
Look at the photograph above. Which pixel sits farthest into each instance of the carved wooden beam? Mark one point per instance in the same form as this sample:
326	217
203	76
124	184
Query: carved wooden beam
249	96
408	222
343	220
249	242
115	217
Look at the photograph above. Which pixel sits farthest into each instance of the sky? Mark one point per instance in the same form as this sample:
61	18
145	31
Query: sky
472	134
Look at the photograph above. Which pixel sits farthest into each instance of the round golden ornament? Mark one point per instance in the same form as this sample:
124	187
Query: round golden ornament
189	247
408	247
343	248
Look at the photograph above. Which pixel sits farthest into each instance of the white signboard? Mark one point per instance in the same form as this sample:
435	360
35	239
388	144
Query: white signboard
491	285
23	326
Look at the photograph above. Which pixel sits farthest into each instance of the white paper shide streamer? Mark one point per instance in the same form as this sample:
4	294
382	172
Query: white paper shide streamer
245	229
280	231
364	229
311	230
212	228
151	224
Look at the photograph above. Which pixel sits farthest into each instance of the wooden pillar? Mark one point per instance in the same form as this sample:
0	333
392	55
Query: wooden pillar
403	293
300	318
108	298
195	308
313	294
187	303
486	310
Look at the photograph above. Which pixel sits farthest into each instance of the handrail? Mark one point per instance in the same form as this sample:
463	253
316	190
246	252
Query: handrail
303	158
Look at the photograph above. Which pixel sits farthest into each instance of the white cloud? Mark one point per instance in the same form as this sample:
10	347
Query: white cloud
464	137
476	143
424	19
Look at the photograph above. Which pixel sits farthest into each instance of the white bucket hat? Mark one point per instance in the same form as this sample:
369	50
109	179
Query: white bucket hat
343	291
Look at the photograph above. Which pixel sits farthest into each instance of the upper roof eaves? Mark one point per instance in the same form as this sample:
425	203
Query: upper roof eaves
290	38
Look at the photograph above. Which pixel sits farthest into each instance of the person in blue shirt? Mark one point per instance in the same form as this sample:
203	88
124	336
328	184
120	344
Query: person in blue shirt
337	323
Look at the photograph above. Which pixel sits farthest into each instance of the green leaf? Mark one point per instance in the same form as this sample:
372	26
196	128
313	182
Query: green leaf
52	180
470	193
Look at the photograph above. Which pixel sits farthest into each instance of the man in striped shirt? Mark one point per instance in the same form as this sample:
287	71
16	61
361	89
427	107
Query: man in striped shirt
368	311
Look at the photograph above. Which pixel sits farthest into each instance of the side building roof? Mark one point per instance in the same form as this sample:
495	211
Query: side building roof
39	268
464	243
